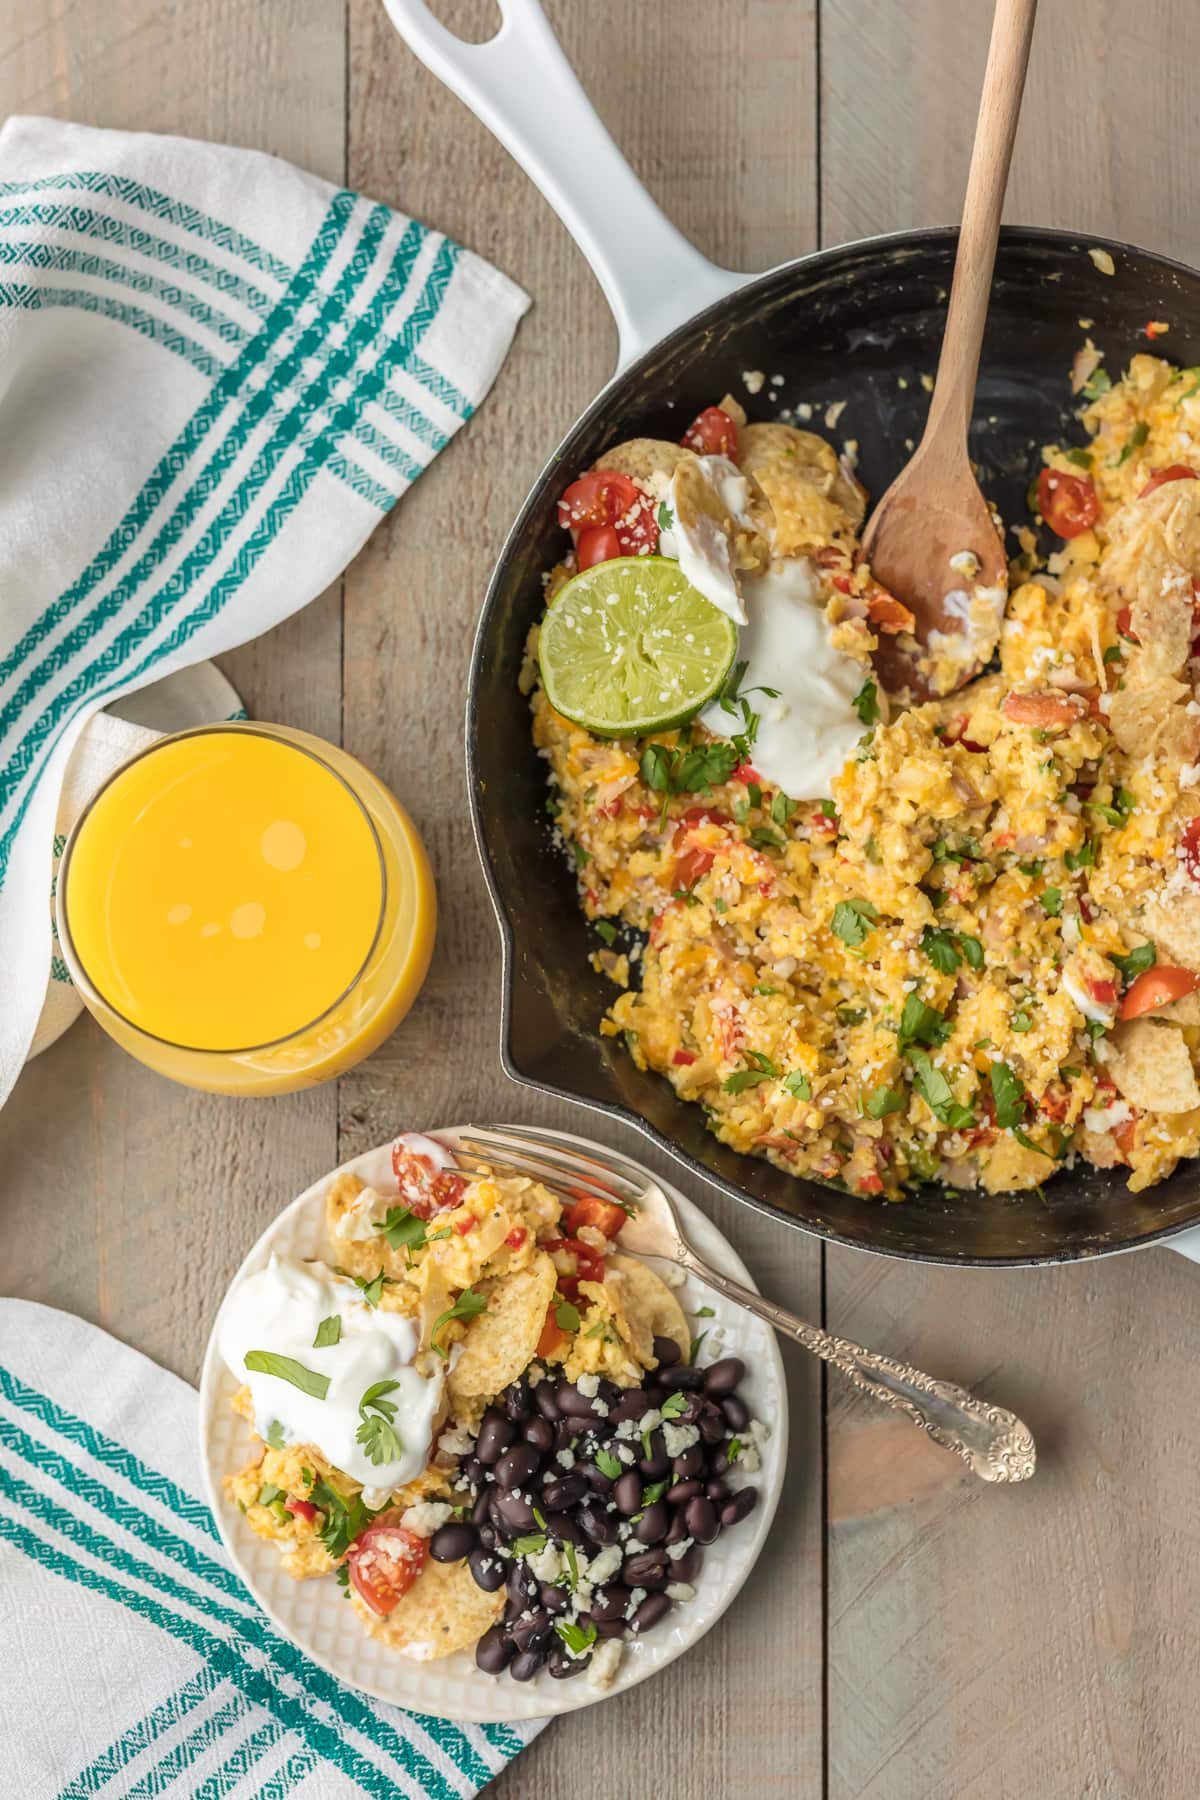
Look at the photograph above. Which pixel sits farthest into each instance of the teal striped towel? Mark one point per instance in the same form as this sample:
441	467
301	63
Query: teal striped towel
216	374
136	1663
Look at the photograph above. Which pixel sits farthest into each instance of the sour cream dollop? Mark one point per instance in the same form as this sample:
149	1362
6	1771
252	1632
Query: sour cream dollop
279	1309
700	546
807	734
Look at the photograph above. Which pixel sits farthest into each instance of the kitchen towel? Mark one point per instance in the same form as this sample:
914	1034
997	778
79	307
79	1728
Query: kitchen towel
216	374
136	1663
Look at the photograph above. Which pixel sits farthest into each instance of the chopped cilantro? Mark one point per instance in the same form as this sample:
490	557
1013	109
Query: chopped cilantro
939	946
1008	1094
884	1100
577	1638
922	1024
694	1351
1027	1143
1021	1020
403	1229
607	1464
704	1312
1083	858
866	703
734	1450
666	518
566	1316
376	1432
1051	898
937	1093
607	930
1099	383
853	920
673	1406
1136	962
1114	654
329	1331
468	1306
275	1435
582	856
531	1545
798	1085
1081	458
1137	438
286	1368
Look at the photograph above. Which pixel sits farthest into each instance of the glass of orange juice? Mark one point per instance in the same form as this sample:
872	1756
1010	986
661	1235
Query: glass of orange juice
246	909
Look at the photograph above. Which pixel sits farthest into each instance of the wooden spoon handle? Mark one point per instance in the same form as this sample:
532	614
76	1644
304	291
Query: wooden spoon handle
999	109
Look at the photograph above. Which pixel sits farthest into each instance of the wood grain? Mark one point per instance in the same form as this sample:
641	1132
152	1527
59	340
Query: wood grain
1040	1644
992	1645
714	159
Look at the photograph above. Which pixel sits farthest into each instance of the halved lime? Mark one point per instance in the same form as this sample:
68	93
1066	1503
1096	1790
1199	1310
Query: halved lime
630	647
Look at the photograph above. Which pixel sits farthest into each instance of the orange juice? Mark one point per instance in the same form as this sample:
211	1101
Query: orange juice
246	909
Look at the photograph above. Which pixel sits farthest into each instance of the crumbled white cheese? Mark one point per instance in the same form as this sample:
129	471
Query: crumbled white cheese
1104	1118
673	1275
546	1565
680	1590
675	1551
565	1458
1103	261
606	1660
752	380
604	1565
588	1234
759	1431
588	1385
678	1438
649	1420
426	1516
636	1596
458	1441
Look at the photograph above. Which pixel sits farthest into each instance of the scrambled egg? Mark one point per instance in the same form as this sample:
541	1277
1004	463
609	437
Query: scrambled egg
932	976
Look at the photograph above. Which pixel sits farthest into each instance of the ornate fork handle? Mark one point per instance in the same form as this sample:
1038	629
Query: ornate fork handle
993	1442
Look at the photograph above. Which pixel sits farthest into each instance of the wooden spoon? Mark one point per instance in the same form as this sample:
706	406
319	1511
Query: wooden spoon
934	512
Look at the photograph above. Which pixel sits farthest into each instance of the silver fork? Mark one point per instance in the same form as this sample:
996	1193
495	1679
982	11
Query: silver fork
993	1442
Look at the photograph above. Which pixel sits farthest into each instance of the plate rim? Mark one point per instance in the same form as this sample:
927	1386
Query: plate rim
770	1487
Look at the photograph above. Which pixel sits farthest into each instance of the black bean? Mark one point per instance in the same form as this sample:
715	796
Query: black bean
566	1433
532	1633
521	1587
487	1536
564	1529
597	1480
717	1490
516	1466
740	1507
654	1523
496	1433
688	1464
511	1513
667	1352
610	1602
718	1459
682	1492
647	1569
688	1566
487	1571
737	1413
517	1402
472	1470
658	1463
546	1404
681	1380
526	1664
493	1651
554	1599
720	1378
632	1404
562	1665
712	1426
566	1491
627	1492
653	1608
610	1628
479	1512
539	1432
600	1526
701	1520
572	1403
450	1543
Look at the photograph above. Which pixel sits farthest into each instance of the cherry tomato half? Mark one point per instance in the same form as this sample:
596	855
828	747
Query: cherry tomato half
1157	987
1068	503
553	1336
599	543
303	1509
605	498
1160	477
1189	850
424	1188
711	433
602	1215
384	1563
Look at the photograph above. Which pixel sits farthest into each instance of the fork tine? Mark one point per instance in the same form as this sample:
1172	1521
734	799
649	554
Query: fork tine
611	1164
557	1168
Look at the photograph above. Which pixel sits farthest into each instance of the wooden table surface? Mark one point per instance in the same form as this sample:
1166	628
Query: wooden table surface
911	1636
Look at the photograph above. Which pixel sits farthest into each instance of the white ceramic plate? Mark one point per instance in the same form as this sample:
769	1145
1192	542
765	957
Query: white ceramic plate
315	1615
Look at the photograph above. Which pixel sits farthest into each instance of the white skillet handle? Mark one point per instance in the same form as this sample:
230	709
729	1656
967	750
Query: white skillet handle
1187	1244
523	88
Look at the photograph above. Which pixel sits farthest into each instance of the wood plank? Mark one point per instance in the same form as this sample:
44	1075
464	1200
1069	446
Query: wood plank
996	1644
712	153
126	1199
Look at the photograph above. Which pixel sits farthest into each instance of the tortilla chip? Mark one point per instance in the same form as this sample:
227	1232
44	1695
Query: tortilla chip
1152	1067
1153	554
1173	926
443	1611
1149	714
499	1344
801	458
733	409
643	1308
641	458
698	498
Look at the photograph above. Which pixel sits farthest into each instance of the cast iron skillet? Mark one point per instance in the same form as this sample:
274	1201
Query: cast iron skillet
860	323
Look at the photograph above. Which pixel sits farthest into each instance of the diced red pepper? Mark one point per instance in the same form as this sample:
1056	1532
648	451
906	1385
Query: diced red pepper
711	433
303	1509
683	1058
516	1237
1104	993
468	1222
